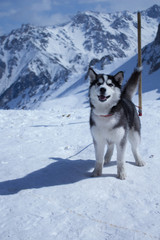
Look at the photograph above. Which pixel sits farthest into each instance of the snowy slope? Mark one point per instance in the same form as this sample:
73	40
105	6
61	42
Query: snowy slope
45	187
46	159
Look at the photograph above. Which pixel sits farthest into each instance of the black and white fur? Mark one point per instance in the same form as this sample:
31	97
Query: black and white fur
113	119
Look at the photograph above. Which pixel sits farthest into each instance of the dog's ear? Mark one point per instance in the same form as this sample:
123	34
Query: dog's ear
119	77
92	75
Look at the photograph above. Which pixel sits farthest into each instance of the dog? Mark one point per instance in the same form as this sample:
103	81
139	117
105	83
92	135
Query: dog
114	119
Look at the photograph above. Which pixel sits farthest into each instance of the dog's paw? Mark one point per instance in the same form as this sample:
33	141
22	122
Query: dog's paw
106	161
96	173
121	175
140	163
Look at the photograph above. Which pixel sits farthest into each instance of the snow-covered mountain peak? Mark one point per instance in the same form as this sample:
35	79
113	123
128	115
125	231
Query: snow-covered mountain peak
36	61
152	12
157	39
151	54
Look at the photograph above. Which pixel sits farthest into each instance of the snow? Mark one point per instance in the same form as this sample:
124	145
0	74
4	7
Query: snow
46	191
47	154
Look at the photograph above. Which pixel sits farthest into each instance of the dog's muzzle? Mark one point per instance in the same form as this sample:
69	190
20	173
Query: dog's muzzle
103	98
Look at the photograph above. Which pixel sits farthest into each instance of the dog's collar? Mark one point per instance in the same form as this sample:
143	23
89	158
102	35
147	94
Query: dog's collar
108	115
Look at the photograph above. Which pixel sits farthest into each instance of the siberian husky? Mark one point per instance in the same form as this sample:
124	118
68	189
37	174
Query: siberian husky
113	119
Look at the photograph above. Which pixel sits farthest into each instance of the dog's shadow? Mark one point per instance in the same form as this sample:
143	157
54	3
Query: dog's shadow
60	172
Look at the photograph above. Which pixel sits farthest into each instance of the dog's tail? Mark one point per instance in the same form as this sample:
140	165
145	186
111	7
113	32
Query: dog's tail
131	85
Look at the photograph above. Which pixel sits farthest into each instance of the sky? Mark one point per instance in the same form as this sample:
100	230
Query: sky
14	13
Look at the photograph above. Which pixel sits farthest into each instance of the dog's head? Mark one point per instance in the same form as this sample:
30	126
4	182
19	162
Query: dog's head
105	89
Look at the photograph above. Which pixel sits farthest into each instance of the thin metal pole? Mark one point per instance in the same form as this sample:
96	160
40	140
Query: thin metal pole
139	62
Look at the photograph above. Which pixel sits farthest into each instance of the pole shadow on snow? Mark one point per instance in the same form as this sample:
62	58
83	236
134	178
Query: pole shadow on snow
61	172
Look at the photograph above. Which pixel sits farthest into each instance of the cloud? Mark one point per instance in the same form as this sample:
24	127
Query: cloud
59	18
130	5
8	13
40	6
100	8
41	12
53	19
91	1
1	31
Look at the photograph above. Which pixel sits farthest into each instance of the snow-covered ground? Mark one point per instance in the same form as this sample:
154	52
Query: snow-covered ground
46	191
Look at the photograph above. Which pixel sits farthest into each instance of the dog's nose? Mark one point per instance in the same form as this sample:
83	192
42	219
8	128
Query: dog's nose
102	90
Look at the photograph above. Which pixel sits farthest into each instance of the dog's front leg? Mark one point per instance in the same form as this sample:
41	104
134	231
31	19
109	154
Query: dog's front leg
120	160
99	152
109	153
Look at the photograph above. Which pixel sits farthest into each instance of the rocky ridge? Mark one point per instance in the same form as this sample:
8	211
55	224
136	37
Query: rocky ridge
35	61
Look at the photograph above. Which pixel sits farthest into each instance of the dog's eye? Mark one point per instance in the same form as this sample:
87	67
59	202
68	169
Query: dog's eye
110	84
99	84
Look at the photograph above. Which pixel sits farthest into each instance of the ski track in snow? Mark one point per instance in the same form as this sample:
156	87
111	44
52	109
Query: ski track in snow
45	187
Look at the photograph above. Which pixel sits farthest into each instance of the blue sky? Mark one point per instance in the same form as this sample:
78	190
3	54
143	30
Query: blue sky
13	13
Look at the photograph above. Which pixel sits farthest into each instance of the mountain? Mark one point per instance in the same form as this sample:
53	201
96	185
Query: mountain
36	61
151	54
151	66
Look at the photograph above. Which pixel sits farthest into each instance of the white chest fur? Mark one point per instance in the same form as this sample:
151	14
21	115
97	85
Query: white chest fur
105	130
